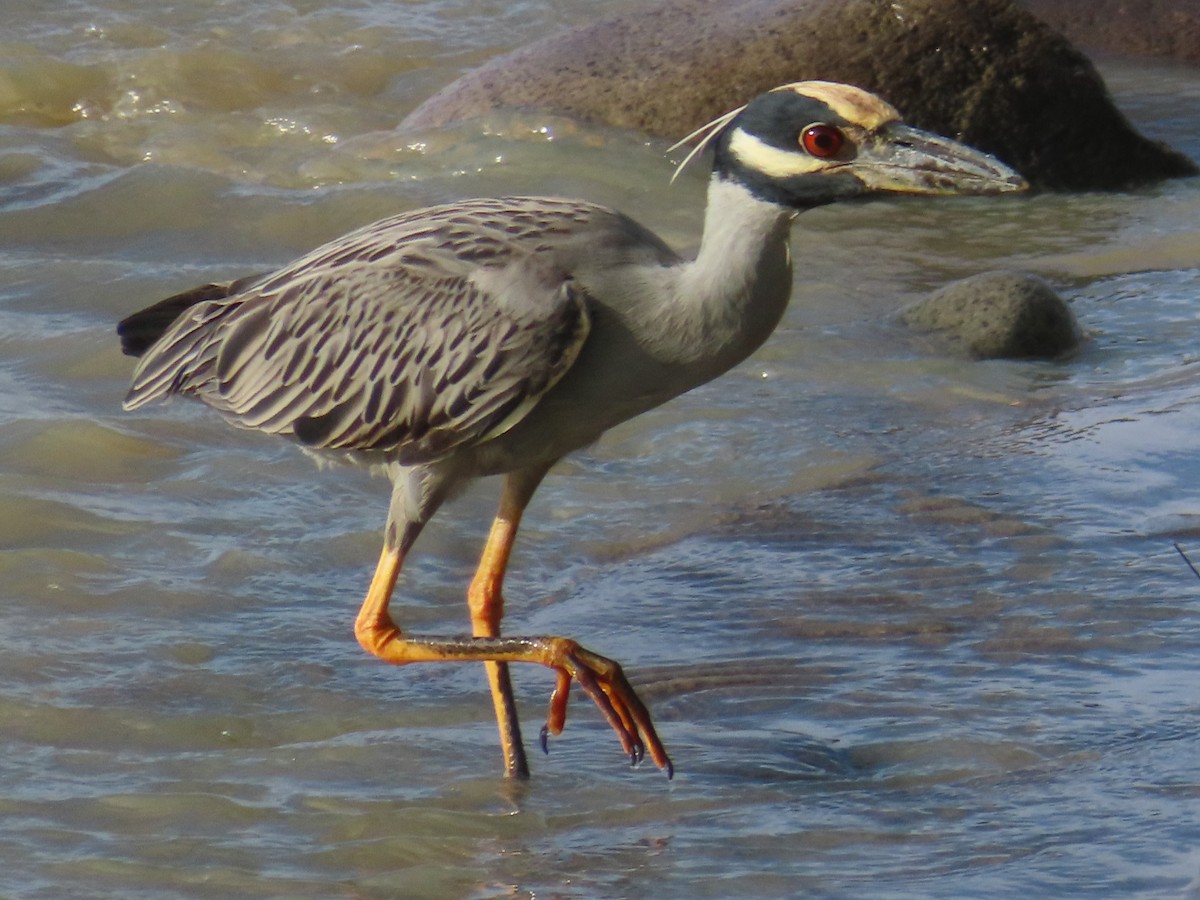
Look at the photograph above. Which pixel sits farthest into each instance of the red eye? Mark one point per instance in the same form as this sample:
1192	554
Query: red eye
822	141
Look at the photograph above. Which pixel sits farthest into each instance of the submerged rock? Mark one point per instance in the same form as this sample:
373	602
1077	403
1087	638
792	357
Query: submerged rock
984	71
999	315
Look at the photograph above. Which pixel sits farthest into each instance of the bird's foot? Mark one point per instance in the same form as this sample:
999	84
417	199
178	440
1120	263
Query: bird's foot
603	680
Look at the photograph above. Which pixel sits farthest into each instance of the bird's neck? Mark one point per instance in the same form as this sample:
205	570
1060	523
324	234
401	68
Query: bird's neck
739	284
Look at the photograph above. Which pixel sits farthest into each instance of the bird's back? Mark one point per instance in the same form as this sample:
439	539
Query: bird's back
414	334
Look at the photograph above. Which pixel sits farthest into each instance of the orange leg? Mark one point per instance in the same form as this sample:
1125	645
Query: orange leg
486	602
601	678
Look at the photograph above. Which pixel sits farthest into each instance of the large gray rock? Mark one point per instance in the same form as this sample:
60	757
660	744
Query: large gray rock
999	315
985	71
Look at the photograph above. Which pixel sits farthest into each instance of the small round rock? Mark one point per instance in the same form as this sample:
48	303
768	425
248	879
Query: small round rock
1000	315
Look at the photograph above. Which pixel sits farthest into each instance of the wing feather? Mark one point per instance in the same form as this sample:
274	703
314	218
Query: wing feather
416	334
364	356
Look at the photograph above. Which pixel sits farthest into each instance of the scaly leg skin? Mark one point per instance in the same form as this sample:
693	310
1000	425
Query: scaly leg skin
601	678
487	609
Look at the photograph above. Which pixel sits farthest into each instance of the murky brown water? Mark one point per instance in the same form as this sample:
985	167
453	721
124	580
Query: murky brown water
911	625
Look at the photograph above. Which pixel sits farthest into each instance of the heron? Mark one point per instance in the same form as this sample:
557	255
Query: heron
494	336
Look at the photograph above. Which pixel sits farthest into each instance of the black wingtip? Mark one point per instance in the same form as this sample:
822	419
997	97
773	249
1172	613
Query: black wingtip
139	331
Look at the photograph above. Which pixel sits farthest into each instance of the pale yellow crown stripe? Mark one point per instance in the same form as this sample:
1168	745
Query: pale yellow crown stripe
854	105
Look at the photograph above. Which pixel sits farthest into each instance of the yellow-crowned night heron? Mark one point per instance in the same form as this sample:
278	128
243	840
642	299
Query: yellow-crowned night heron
494	336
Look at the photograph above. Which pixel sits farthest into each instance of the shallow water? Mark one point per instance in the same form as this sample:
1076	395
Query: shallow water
910	625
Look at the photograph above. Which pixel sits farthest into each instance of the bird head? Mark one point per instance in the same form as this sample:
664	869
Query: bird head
814	142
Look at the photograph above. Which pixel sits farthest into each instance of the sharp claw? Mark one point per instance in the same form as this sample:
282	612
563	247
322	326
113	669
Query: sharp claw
604	682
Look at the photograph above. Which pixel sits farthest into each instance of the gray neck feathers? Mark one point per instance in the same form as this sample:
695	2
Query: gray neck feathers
740	282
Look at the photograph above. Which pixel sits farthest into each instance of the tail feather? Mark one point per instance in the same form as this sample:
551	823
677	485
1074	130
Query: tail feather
139	331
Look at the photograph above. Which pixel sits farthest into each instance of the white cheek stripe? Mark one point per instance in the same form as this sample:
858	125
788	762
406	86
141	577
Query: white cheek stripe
771	161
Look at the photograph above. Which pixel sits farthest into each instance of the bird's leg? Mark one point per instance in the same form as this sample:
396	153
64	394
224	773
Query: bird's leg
486	602
374	626
601	678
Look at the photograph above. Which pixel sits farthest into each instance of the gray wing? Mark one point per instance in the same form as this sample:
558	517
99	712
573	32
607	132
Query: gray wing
370	357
